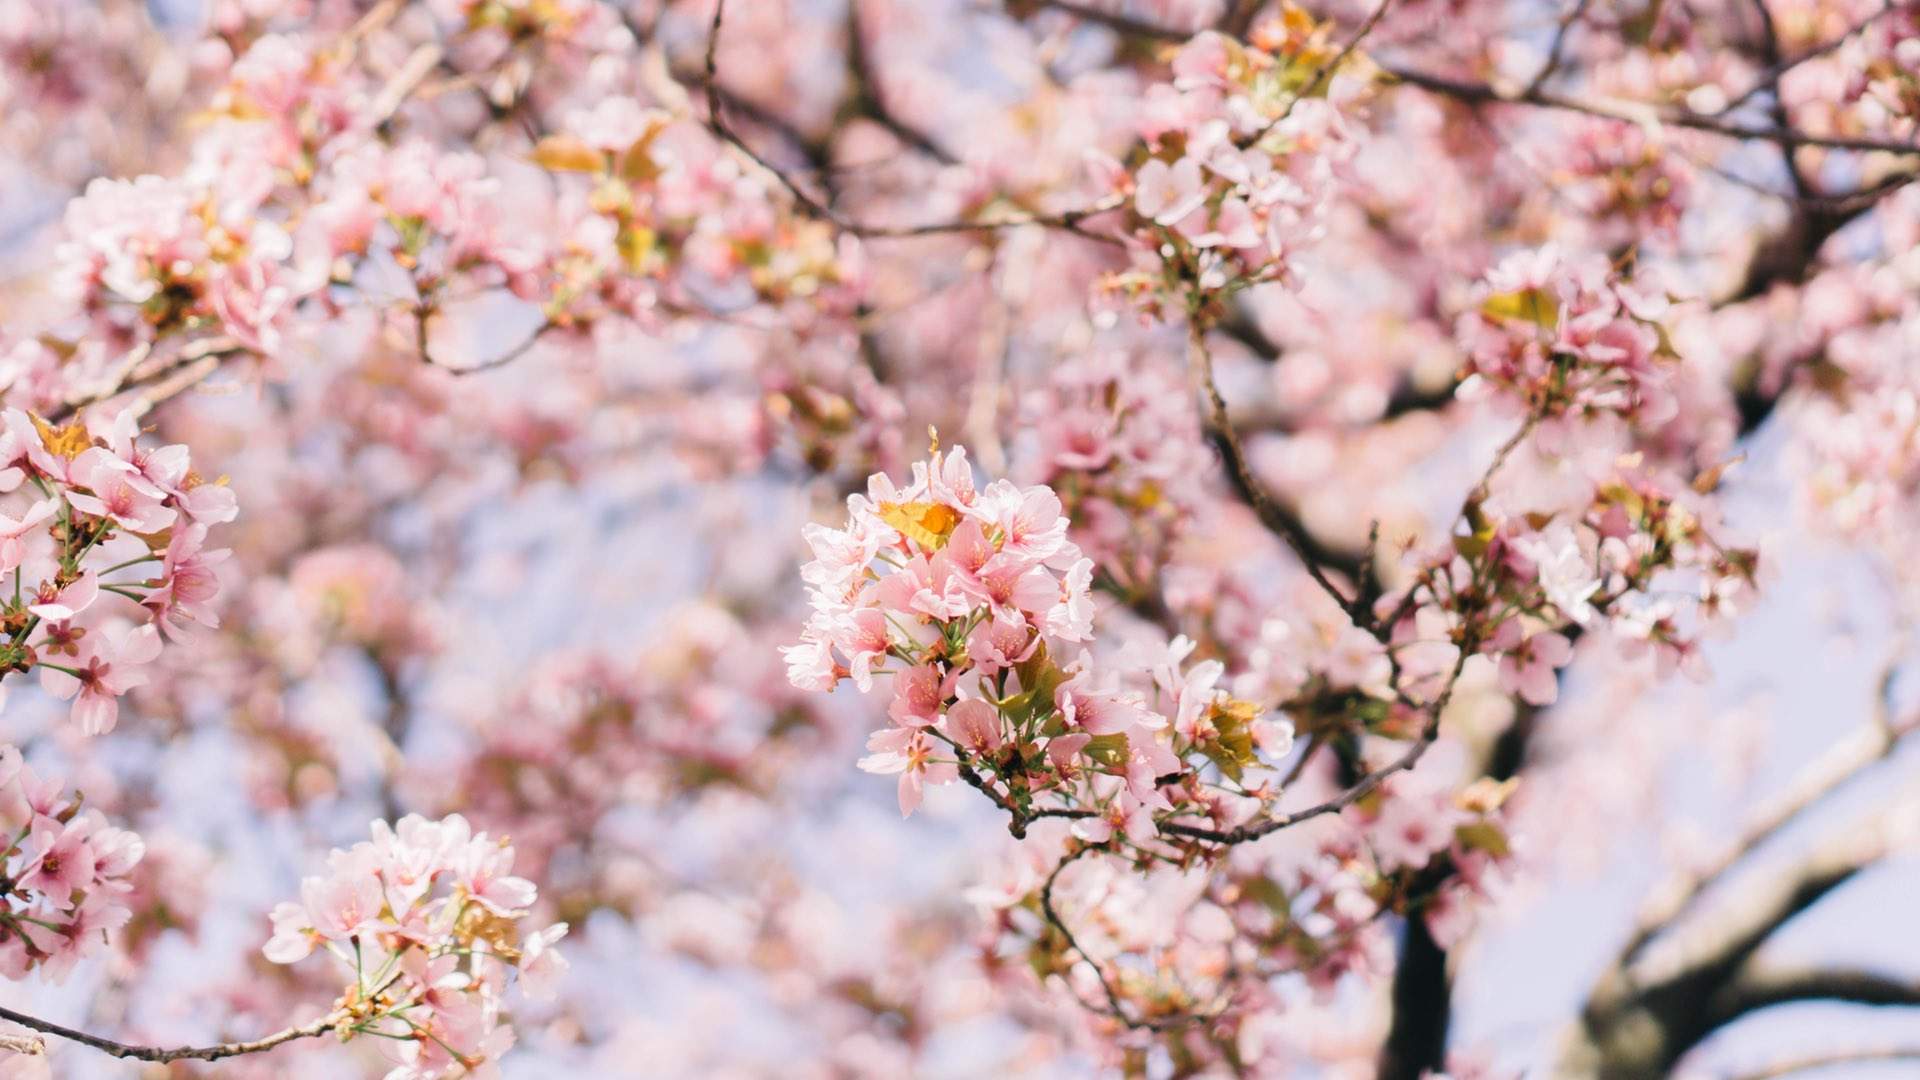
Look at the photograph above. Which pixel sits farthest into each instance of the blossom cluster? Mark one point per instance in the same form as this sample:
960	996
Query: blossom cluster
1242	149
66	872
966	597
1516	588
1165	945
1886	73
671	216
1568	336
427	918
1625	179
103	507
591	736
1116	439
301	202
1858	449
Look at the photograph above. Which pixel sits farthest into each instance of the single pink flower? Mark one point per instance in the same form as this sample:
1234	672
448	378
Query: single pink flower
975	725
62	862
105	670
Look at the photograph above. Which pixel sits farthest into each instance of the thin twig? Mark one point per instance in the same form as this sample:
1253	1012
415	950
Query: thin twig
1365	786
1557	52
1201	358
1115	1008
1322	73
1539	97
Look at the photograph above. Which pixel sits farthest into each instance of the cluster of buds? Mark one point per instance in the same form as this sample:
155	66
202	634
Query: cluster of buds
427	917
63	873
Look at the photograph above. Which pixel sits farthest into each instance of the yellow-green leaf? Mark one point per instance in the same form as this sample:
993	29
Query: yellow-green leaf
1523	305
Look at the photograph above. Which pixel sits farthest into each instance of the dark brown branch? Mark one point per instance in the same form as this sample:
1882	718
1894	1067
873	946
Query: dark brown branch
1639	1024
1648	1010
1787	257
1115	21
1770	78
1751	993
1539	97
1422	996
1416	1043
1483	93
1278	521
869	100
1068	220
1237	18
319	1027
1201	360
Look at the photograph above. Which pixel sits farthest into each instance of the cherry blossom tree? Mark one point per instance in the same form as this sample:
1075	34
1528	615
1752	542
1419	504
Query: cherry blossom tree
958	537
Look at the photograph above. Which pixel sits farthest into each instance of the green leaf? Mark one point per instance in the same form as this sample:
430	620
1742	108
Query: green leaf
1108	751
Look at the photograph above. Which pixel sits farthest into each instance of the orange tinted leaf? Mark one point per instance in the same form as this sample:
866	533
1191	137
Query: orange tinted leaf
566	153
925	523
1709	479
66	442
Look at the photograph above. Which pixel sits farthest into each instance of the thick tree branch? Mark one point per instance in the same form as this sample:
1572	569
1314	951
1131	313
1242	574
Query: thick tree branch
157	379
1754	991
1416	1042
1640	1019
1834	770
